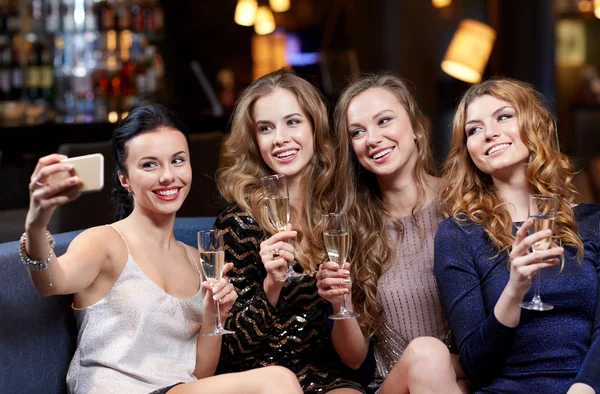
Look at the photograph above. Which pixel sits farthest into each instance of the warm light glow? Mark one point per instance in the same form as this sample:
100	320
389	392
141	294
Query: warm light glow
570	43
265	23
469	51
111	40
441	3
585	5
245	12
281	5
124	114
113	117
268	53
597	8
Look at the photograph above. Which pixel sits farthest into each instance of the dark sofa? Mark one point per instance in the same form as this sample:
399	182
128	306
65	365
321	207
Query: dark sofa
38	334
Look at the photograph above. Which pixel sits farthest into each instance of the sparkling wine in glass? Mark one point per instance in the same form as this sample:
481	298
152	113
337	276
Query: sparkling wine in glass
336	236
542	209
212	259
277	203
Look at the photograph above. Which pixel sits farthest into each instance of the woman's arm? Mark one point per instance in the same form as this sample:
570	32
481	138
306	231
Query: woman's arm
208	348
483	342
484	339
77	269
588	378
346	335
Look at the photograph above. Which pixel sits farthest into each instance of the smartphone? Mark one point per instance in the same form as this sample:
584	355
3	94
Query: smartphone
89	168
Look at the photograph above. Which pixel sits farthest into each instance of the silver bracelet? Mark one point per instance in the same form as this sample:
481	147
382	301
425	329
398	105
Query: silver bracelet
36	265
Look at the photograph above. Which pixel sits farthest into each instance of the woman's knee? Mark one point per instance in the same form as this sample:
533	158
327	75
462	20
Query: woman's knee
425	354
282	376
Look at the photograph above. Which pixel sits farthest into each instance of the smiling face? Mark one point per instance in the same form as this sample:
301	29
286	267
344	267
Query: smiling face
493	138
284	133
381	133
158	170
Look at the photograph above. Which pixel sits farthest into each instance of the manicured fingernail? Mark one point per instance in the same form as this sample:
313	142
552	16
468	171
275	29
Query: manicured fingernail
68	167
346	280
215	289
345	272
216	297
73	180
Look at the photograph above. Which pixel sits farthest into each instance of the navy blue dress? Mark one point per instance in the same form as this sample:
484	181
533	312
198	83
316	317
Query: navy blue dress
548	351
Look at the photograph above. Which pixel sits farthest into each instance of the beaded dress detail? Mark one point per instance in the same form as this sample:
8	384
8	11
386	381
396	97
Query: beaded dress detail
408	293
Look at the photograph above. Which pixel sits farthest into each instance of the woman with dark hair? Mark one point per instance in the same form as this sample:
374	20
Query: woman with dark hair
504	147
390	193
280	126
139	300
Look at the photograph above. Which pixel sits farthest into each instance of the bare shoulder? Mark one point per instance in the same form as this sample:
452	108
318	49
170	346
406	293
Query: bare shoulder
103	241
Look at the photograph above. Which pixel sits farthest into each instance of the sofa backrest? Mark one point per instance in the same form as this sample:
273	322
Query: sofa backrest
37	333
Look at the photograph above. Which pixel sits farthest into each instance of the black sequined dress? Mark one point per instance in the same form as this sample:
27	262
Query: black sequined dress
293	334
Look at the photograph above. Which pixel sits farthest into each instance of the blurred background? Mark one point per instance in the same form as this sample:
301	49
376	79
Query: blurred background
71	69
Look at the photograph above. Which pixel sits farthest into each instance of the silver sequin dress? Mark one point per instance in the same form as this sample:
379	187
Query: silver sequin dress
136	339
409	295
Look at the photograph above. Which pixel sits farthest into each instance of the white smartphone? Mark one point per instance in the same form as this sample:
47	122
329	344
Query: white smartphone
89	168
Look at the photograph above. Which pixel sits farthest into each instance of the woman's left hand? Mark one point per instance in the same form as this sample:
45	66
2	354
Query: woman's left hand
223	292
333	282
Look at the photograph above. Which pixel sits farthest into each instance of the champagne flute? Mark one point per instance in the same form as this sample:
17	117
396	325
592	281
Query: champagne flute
542	209
212	258
336	235
277	203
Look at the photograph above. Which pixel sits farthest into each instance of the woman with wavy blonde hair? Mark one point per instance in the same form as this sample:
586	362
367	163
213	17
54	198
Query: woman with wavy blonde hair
279	126
391	199
504	148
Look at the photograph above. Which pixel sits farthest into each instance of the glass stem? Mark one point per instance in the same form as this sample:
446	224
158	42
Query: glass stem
343	307
218	325
538	282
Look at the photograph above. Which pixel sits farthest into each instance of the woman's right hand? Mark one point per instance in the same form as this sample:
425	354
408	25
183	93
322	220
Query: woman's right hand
276	253
43	197
524	264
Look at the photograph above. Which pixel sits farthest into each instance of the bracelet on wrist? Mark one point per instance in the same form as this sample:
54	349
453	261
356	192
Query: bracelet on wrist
36	265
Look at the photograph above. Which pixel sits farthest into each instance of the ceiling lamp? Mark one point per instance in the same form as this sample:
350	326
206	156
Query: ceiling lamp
597	8
469	51
281	5
441	3
265	23
245	12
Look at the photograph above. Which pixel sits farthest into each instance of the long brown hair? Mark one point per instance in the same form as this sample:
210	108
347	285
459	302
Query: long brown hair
468	193
242	166
369	219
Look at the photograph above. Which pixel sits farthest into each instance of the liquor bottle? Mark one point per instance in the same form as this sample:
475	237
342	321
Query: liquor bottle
16	89
33	73
5	62
13	24
52	16
68	16
91	20
37	17
46	74
107	16
137	16
158	16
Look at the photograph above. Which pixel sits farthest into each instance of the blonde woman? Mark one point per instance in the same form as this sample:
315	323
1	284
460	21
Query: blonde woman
391	199
504	148
279	126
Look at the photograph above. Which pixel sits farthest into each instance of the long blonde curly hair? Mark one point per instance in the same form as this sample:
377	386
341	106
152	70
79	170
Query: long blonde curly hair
372	245
468	193
242	166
